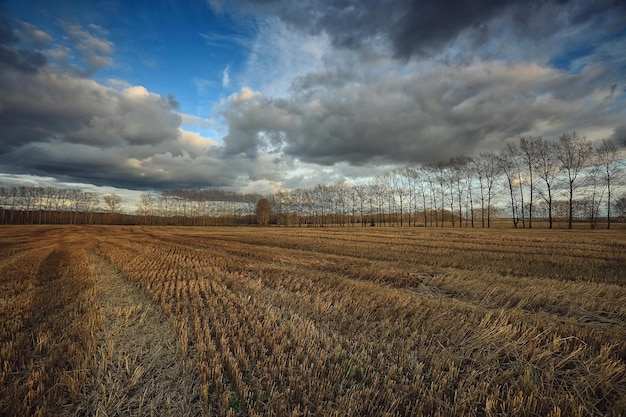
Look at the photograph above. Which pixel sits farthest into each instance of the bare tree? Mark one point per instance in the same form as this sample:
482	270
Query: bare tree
610	165
440	171
91	205
529	146
113	202
307	199
620	207
519	178
488	171
263	211
399	191
468	170
573	152
340	195
360	193
461	175
279	203
432	179
4	194
547	168
591	204
147	206
379	193
417	191
450	175
410	179
507	166
321	200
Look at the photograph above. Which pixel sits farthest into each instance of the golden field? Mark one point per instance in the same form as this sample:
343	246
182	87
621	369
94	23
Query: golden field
105	320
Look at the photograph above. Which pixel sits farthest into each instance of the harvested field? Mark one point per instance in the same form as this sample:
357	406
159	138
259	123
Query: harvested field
302	321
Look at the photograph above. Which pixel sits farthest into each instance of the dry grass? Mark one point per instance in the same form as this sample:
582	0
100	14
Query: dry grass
46	323
137	368
331	321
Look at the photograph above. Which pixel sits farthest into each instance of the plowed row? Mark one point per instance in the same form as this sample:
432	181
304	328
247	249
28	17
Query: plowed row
356	321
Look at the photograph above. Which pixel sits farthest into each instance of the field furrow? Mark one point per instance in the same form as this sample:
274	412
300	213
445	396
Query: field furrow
137	367
359	321
45	322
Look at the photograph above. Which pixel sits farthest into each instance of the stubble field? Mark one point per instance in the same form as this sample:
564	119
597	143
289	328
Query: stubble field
349	322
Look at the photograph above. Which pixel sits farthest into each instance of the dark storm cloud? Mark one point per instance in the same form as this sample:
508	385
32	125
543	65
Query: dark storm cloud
426	26
488	71
409	26
21	60
619	136
429	25
12	57
426	116
115	166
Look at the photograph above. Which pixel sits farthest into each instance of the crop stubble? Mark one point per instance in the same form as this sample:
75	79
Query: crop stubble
346	321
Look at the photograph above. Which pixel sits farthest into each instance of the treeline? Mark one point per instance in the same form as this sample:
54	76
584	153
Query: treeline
197	208
49	205
566	180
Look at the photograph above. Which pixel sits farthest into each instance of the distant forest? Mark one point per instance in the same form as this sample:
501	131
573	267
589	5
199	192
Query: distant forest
567	180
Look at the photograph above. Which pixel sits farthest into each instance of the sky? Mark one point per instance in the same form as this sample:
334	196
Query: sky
260	96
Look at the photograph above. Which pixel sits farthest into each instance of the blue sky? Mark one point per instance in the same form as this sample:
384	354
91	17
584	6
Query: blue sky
261	96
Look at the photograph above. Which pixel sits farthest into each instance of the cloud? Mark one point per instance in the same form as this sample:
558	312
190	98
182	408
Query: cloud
279	54
226	76
332	91
85	41
33	34
25	61
422	81
12	56
424	28
65	126
215	5
57	123
194	144
196	121
248	113
97	51
188	161
203	87
408	26
426	115
49	106
118	84
221	40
